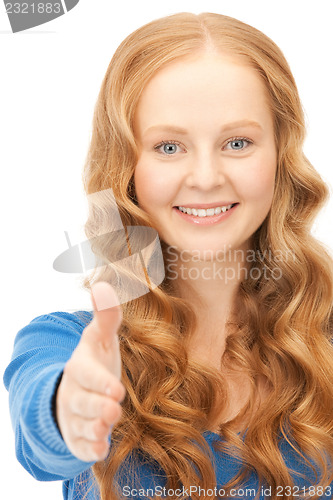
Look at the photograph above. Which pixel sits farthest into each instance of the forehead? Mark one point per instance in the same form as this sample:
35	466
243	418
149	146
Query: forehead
207	85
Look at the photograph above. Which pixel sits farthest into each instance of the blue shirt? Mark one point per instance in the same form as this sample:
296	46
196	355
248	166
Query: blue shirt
41	350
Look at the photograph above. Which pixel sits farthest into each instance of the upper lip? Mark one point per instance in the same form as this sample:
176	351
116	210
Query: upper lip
208	205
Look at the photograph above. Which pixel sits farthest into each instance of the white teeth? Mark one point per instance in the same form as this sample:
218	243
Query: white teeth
201	212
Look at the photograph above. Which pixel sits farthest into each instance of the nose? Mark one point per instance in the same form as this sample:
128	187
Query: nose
205	171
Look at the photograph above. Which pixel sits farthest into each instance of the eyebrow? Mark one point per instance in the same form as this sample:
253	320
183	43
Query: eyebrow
224	128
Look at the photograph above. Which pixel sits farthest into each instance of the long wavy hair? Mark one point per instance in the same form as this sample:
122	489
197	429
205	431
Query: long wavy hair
283	327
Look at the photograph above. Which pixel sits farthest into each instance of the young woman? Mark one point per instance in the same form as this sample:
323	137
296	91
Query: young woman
226	367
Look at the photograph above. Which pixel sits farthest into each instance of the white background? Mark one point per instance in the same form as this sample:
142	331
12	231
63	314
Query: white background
50	78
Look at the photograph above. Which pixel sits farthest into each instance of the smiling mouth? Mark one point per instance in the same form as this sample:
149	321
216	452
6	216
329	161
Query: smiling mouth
209	212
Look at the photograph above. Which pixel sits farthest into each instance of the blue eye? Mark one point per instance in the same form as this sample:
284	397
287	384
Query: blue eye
238	143
167	147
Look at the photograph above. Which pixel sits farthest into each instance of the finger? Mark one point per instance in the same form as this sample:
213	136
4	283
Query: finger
90	451
90	429
102	330
95	378
89	405
105	353
107	309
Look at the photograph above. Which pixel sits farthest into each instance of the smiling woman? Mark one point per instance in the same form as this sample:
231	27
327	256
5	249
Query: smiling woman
227	366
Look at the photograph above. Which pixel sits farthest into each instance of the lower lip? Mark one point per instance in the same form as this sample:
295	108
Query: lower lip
209	219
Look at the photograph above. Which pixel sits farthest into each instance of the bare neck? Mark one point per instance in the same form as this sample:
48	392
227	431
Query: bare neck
210	288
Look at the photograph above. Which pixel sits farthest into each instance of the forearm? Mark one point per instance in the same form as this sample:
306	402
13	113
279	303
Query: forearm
31	379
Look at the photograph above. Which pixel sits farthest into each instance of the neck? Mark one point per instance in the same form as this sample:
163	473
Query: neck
210	287
209	283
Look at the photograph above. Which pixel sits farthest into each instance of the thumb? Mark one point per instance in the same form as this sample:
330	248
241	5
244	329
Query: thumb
107	312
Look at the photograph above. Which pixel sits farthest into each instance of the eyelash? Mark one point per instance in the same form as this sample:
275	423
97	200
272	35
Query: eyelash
176	143
163	143
239	139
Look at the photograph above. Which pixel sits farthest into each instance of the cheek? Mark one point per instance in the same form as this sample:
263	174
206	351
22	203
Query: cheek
257	183
150	186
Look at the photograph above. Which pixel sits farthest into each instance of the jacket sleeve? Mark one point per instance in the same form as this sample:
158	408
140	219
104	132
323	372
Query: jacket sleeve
41	351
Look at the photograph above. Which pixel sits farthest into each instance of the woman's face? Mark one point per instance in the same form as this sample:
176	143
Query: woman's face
206	140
